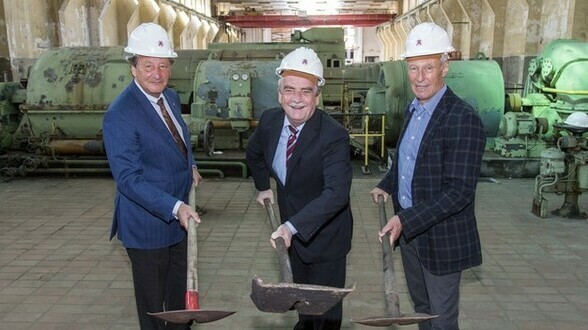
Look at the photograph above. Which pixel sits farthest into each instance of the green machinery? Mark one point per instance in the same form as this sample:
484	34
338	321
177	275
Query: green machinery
556	87
57	115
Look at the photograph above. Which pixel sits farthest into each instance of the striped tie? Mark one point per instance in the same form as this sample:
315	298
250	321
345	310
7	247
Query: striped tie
172	127
291	143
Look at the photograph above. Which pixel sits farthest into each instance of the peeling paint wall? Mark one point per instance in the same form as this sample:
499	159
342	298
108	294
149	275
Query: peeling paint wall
31	27
499	28
580	21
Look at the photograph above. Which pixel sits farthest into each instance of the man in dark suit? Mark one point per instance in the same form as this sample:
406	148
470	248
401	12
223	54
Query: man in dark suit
148	148
432	182
307	153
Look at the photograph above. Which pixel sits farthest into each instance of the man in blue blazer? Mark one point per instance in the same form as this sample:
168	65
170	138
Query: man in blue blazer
432	182
307	153
148	149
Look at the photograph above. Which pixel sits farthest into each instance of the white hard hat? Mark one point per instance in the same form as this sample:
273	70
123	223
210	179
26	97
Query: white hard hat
303	60
577	119
150	39
427	39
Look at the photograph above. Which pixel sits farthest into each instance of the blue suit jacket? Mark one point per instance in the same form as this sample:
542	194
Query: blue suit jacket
315	198
150	171
446	173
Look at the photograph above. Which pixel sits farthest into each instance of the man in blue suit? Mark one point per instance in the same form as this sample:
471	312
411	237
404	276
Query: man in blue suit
148	148
432	182
307	153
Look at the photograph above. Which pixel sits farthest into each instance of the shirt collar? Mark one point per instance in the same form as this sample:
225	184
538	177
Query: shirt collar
287	123
149	97
430	105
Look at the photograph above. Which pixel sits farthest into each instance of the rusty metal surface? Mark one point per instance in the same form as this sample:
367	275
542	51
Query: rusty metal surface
199	316
402	319
305	298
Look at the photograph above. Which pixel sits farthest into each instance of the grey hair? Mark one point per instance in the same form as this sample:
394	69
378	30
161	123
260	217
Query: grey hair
444	57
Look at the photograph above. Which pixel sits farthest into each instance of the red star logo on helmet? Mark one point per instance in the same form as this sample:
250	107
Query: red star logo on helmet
160	43
419	42
305	61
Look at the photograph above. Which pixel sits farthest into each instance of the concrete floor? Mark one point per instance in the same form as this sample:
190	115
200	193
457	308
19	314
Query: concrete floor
58	270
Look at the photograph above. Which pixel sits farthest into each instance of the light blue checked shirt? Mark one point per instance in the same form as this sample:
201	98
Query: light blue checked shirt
410	144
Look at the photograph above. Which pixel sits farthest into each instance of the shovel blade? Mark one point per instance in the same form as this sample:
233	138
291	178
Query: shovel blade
197	315
403	319
304	298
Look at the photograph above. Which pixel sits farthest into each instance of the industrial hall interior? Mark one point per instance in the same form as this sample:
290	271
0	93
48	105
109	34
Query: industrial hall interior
520	65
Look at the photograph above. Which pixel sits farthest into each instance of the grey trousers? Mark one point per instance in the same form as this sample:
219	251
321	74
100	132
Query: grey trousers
430	294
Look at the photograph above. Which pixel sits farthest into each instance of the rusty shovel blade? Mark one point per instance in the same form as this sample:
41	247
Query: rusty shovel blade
198	316
304	298
403	319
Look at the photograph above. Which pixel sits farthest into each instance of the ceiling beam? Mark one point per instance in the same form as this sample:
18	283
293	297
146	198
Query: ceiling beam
295	21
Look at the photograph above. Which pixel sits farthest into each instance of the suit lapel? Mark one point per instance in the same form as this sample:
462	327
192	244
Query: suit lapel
274	135
159	127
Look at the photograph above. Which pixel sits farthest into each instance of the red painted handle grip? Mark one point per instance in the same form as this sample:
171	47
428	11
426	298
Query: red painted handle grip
192	300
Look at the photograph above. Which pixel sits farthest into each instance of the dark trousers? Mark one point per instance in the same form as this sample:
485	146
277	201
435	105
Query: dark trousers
431	294
328	273
159	277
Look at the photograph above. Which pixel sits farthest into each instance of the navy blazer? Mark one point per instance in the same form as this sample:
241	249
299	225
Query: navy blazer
150	171
315	197
442	218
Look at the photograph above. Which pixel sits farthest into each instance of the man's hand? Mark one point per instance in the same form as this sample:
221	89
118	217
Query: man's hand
378	192
185	212
284	232
265	194
196	176
394	227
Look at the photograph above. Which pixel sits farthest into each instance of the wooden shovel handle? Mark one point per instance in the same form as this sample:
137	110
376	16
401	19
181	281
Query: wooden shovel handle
283	257
390	286
192	301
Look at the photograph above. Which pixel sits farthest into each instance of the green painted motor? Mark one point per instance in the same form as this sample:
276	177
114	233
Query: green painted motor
556	86
478	82
69	89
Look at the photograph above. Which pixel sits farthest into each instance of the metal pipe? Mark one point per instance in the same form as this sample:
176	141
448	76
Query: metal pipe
75	147
71	170
78	161
227	123
220	173
224	163
563	91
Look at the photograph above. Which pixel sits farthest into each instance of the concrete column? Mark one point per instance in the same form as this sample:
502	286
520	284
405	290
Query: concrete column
580	19
112	22
201	36
459	26
180	25
31	29
193	34
146	11
385	48
515	27
74	24
499	8
166	18
211	35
